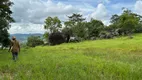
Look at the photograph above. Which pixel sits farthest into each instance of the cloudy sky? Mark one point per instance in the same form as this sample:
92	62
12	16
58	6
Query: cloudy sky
30	14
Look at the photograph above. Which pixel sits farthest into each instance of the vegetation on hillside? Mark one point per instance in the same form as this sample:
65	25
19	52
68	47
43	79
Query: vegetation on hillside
33	41
103	59
113	59
125	24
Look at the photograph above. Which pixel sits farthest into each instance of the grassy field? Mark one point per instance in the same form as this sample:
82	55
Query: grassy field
114	59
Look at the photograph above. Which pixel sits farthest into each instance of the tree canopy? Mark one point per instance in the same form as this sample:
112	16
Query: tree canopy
5	20
76	26
33	41
128	21
53	24
76	17
94	28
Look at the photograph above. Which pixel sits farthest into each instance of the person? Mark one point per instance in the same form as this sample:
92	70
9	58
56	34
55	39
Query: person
14	48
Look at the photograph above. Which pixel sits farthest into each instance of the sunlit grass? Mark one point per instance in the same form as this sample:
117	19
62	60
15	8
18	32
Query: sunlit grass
114	59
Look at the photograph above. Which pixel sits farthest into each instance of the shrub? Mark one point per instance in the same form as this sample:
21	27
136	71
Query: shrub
56	38
34	41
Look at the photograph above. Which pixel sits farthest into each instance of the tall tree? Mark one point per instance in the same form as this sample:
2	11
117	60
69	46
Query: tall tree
67	30
80	30
5	20
52	24
75	22
76	18
114	18
128	21
33	41
94	28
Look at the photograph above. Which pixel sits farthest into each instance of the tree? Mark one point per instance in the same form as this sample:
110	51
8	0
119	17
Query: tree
75	25
33	41
5	41
114	18
53	24
139	28
5	20
94	28
67	33
127	22
80	30
76	18
67	30
45	36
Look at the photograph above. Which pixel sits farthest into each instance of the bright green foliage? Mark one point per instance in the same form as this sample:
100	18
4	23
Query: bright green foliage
5	20
45	36
75	26
128	22
139	28
76	18
69	24
80	30
4	40
94	28
52	24
68	28
33	41
114	59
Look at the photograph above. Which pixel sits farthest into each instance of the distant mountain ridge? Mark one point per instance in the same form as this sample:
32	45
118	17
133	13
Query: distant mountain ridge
23	37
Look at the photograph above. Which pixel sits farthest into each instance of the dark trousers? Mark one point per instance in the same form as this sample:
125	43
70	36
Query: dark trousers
15	55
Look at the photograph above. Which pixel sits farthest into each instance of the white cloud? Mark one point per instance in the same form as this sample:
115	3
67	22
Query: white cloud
119	6
30	14
138	7
35	11
88	1
101	13
26	28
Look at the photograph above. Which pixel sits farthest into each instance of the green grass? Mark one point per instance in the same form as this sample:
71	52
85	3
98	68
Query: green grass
114	59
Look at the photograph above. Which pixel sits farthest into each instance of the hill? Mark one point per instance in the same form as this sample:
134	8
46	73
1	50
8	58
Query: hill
113	59
23	37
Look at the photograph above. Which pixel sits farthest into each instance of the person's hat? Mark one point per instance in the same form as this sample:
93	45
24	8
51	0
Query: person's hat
13	37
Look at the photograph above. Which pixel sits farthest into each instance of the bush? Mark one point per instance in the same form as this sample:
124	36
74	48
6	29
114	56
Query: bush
24	45
56	38
34	41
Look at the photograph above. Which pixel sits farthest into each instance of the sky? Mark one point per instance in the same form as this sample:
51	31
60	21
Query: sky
31	14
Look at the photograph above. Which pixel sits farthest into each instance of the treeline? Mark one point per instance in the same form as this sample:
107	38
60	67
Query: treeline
78	29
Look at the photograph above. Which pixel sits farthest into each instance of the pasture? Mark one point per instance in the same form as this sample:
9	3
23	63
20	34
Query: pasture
113	59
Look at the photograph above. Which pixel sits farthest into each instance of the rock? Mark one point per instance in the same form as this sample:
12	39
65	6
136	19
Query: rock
130	37
74	39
